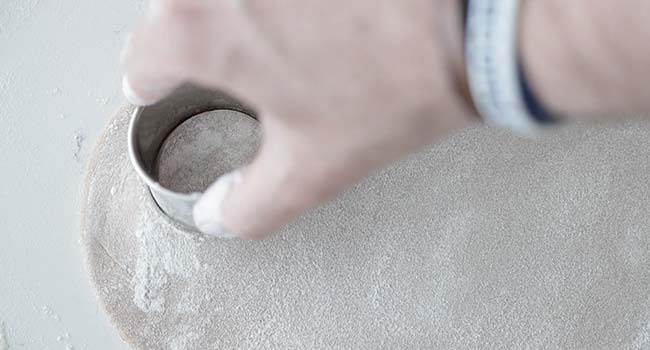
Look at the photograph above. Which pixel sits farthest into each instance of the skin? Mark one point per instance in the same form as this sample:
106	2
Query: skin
586	59
344	88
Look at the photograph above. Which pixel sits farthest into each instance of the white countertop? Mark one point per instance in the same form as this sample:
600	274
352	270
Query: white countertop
59	84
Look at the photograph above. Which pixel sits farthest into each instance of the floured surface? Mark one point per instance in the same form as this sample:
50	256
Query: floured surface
483	241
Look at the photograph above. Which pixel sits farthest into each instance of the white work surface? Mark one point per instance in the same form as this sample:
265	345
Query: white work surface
59	84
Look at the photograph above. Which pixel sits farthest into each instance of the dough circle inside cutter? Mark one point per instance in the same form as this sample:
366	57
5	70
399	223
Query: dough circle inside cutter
484	240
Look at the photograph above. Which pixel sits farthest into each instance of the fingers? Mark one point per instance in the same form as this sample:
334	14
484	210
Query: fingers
208	211
252	202
155	53
207	42
166	48
148	94
249	202
212	44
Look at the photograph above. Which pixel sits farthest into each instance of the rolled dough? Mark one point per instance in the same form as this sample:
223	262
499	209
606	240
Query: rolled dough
484	241
206	147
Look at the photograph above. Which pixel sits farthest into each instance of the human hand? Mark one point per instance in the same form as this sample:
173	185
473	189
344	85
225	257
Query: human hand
341	88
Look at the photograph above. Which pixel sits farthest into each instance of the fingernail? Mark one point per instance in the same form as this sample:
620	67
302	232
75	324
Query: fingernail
208	211
130	94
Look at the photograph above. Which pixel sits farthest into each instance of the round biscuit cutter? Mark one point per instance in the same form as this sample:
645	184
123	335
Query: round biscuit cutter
151	125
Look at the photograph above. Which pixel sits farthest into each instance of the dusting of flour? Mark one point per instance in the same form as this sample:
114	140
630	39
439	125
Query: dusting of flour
162	255
3	337
166	290
193	156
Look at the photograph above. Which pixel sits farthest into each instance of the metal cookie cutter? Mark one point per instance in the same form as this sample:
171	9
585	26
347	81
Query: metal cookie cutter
151	125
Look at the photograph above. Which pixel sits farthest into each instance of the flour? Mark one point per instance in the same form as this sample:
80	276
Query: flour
167	257
194	154
47	311
163	255
79	138
13	13
4	345
167	272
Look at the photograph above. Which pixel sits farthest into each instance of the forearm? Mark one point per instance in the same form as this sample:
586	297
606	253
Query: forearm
588	59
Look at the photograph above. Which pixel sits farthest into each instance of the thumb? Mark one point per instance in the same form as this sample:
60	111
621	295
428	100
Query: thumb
262	197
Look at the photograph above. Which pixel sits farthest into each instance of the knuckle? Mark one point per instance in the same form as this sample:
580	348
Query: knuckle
182	8
196	55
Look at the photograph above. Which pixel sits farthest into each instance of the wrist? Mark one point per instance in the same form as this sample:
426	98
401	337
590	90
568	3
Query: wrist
546	55
582	57
450	34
